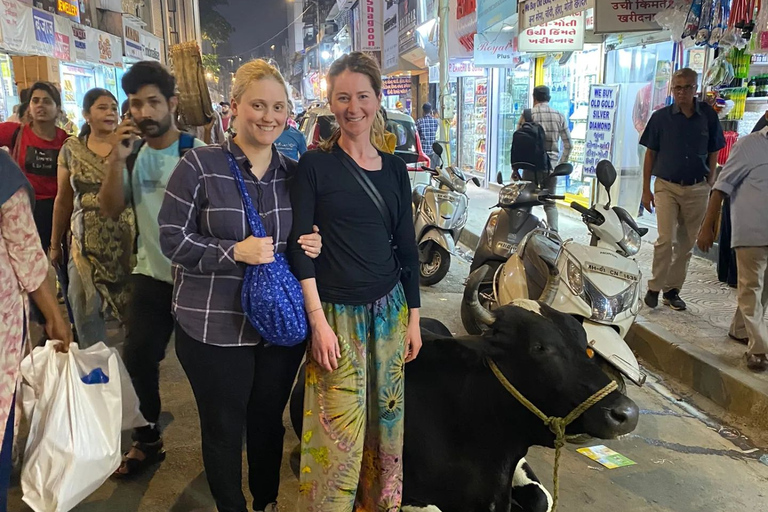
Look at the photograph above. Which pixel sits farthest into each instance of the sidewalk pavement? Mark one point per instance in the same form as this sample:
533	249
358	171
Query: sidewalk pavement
693	345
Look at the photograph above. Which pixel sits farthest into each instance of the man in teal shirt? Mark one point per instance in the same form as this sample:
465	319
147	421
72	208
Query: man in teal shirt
152	106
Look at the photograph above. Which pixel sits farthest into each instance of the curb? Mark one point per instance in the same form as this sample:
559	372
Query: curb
731	388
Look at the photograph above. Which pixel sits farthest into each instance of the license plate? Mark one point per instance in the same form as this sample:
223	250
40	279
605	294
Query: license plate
444	197
608	271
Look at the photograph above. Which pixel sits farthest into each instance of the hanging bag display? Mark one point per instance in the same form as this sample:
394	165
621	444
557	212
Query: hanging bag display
272	298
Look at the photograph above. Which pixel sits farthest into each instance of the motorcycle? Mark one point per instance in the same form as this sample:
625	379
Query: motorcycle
505	228
439	215
599	283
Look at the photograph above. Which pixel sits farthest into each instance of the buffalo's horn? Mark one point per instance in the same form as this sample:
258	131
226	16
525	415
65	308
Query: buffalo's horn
481	314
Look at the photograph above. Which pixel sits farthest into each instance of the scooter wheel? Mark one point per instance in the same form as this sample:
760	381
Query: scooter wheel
436	267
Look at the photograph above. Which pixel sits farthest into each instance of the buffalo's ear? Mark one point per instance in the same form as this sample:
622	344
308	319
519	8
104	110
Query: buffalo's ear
478	348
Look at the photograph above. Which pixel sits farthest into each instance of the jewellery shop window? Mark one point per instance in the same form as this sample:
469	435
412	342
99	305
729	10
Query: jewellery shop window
569	78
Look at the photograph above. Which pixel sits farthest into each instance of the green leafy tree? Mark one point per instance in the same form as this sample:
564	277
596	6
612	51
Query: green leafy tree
214	26
211	63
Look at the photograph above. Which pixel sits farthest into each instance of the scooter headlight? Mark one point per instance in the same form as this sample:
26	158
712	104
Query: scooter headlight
630	244
575	278
605	309
459	185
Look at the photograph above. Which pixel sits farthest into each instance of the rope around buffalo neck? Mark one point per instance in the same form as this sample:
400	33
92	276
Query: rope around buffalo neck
555	424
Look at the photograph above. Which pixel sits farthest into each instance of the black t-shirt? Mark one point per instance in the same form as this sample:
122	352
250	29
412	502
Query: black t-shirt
357	265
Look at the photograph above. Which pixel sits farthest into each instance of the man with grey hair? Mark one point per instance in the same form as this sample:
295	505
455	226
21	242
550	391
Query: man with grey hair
555	130
683	141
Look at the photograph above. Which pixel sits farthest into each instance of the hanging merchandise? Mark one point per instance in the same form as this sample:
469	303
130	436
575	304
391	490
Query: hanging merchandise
720	72
742	17
707	21
761	26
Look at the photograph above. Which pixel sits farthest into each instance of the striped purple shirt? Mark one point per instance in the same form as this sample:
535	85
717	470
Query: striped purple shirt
201	219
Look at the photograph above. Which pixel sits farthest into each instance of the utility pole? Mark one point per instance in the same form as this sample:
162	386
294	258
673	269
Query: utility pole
443	13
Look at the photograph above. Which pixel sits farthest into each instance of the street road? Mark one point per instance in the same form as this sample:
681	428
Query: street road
686	462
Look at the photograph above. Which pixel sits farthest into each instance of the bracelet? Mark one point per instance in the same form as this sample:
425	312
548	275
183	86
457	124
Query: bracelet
316	309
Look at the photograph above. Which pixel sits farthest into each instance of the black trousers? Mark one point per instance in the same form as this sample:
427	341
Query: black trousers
236	389
148	330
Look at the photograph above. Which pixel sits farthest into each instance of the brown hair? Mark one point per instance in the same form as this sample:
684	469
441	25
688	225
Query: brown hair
253	71
358	62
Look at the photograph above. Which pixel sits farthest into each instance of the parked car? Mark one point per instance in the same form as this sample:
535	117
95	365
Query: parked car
319	123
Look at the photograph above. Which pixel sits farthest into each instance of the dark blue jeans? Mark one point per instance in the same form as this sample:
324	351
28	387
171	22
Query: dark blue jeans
5	459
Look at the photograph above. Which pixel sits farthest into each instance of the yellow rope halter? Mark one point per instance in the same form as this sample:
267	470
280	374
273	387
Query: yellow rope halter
556	425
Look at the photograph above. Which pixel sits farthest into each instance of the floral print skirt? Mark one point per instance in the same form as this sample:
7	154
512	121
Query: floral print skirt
352	441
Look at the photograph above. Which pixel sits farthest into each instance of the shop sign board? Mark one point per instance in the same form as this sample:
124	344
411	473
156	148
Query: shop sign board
628	15
132	41
495	49
389	55
103	48
45	35
407	25
565	34
464	68
538	12
372	30
69	9
16	26
492	12
63	49
78	37
397	85
601	125
152	46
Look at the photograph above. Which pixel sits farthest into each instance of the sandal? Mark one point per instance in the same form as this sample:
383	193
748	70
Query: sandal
153	454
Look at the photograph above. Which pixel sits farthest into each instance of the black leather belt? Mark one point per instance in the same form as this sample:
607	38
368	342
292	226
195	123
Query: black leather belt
687	183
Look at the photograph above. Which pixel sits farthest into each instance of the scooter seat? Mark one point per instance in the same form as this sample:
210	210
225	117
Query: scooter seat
539	259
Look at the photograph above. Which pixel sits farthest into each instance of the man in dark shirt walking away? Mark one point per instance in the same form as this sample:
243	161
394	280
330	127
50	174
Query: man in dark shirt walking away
555	130
683	141
427	126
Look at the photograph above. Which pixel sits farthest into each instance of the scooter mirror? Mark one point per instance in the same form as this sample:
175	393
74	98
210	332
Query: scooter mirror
437	149
563	170
475	181
606	173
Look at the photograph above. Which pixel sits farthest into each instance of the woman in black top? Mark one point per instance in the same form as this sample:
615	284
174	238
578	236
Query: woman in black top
362	299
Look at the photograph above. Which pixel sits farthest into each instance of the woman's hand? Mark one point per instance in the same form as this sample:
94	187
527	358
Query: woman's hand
255	251
325	344
413	336
312	244
58	329
55	254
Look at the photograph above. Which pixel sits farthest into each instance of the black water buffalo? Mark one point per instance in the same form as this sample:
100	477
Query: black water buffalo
466	437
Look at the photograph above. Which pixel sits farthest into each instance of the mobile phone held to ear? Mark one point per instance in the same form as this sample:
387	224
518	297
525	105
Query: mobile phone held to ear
127	142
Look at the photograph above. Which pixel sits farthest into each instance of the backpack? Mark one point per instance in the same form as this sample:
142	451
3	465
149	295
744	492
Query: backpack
186	142
528	151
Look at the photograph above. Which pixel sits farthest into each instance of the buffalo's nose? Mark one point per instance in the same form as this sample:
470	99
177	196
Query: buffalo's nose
624	416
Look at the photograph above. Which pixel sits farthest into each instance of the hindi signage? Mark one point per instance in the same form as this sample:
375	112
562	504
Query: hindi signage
132	41
601	119
397	85
78	36
16	25
565	34
45	35
628	15
538	12
495	49
63	49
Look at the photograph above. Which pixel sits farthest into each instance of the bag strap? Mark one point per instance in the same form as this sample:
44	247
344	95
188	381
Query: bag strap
528	115
369	188
254	219
186	142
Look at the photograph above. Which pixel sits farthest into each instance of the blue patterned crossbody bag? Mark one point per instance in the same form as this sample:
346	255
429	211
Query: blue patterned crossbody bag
272	298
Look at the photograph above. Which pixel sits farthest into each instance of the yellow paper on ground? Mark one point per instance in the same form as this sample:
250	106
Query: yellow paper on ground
607	457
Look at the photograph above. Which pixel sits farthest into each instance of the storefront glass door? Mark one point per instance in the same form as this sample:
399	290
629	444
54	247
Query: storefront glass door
473	125
514	96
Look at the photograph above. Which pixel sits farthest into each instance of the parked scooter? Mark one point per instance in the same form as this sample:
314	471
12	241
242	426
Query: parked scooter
506	227
439	216
599	284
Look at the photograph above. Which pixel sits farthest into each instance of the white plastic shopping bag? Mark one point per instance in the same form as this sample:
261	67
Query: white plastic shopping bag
77	404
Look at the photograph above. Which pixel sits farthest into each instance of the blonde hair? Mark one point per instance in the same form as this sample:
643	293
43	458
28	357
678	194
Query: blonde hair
254	71
358	62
